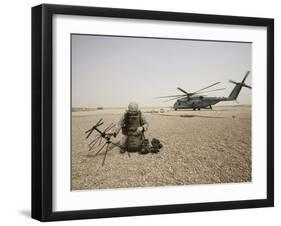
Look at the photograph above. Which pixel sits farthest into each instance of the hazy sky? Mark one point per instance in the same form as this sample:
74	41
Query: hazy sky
113	71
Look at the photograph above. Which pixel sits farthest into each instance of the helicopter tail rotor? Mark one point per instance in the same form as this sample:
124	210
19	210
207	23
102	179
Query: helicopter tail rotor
242	83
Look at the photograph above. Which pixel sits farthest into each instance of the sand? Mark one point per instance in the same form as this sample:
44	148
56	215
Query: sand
199	147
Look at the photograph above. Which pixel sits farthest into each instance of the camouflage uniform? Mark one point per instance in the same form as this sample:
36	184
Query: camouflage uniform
132	123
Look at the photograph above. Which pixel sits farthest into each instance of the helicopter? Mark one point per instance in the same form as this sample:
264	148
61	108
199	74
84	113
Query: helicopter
195	100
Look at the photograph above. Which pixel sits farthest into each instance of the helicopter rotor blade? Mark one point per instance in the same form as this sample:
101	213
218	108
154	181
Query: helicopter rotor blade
174	98
247	73
211	90
205	88
182	95
231	81
180	89
250	87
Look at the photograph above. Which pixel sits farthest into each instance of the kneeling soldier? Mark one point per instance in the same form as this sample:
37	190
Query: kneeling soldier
133	125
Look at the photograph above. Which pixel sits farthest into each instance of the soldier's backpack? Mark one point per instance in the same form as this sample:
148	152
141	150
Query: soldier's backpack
134	142
132	122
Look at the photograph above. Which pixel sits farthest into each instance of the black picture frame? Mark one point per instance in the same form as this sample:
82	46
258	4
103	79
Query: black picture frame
42	111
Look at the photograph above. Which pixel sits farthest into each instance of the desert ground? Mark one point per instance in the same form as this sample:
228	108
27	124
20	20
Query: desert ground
199	147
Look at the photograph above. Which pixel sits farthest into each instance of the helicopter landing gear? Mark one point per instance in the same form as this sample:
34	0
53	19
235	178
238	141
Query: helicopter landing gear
211	107
198	109
194	109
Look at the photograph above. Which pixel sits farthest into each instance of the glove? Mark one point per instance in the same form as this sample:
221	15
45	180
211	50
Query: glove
109	135
140	130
